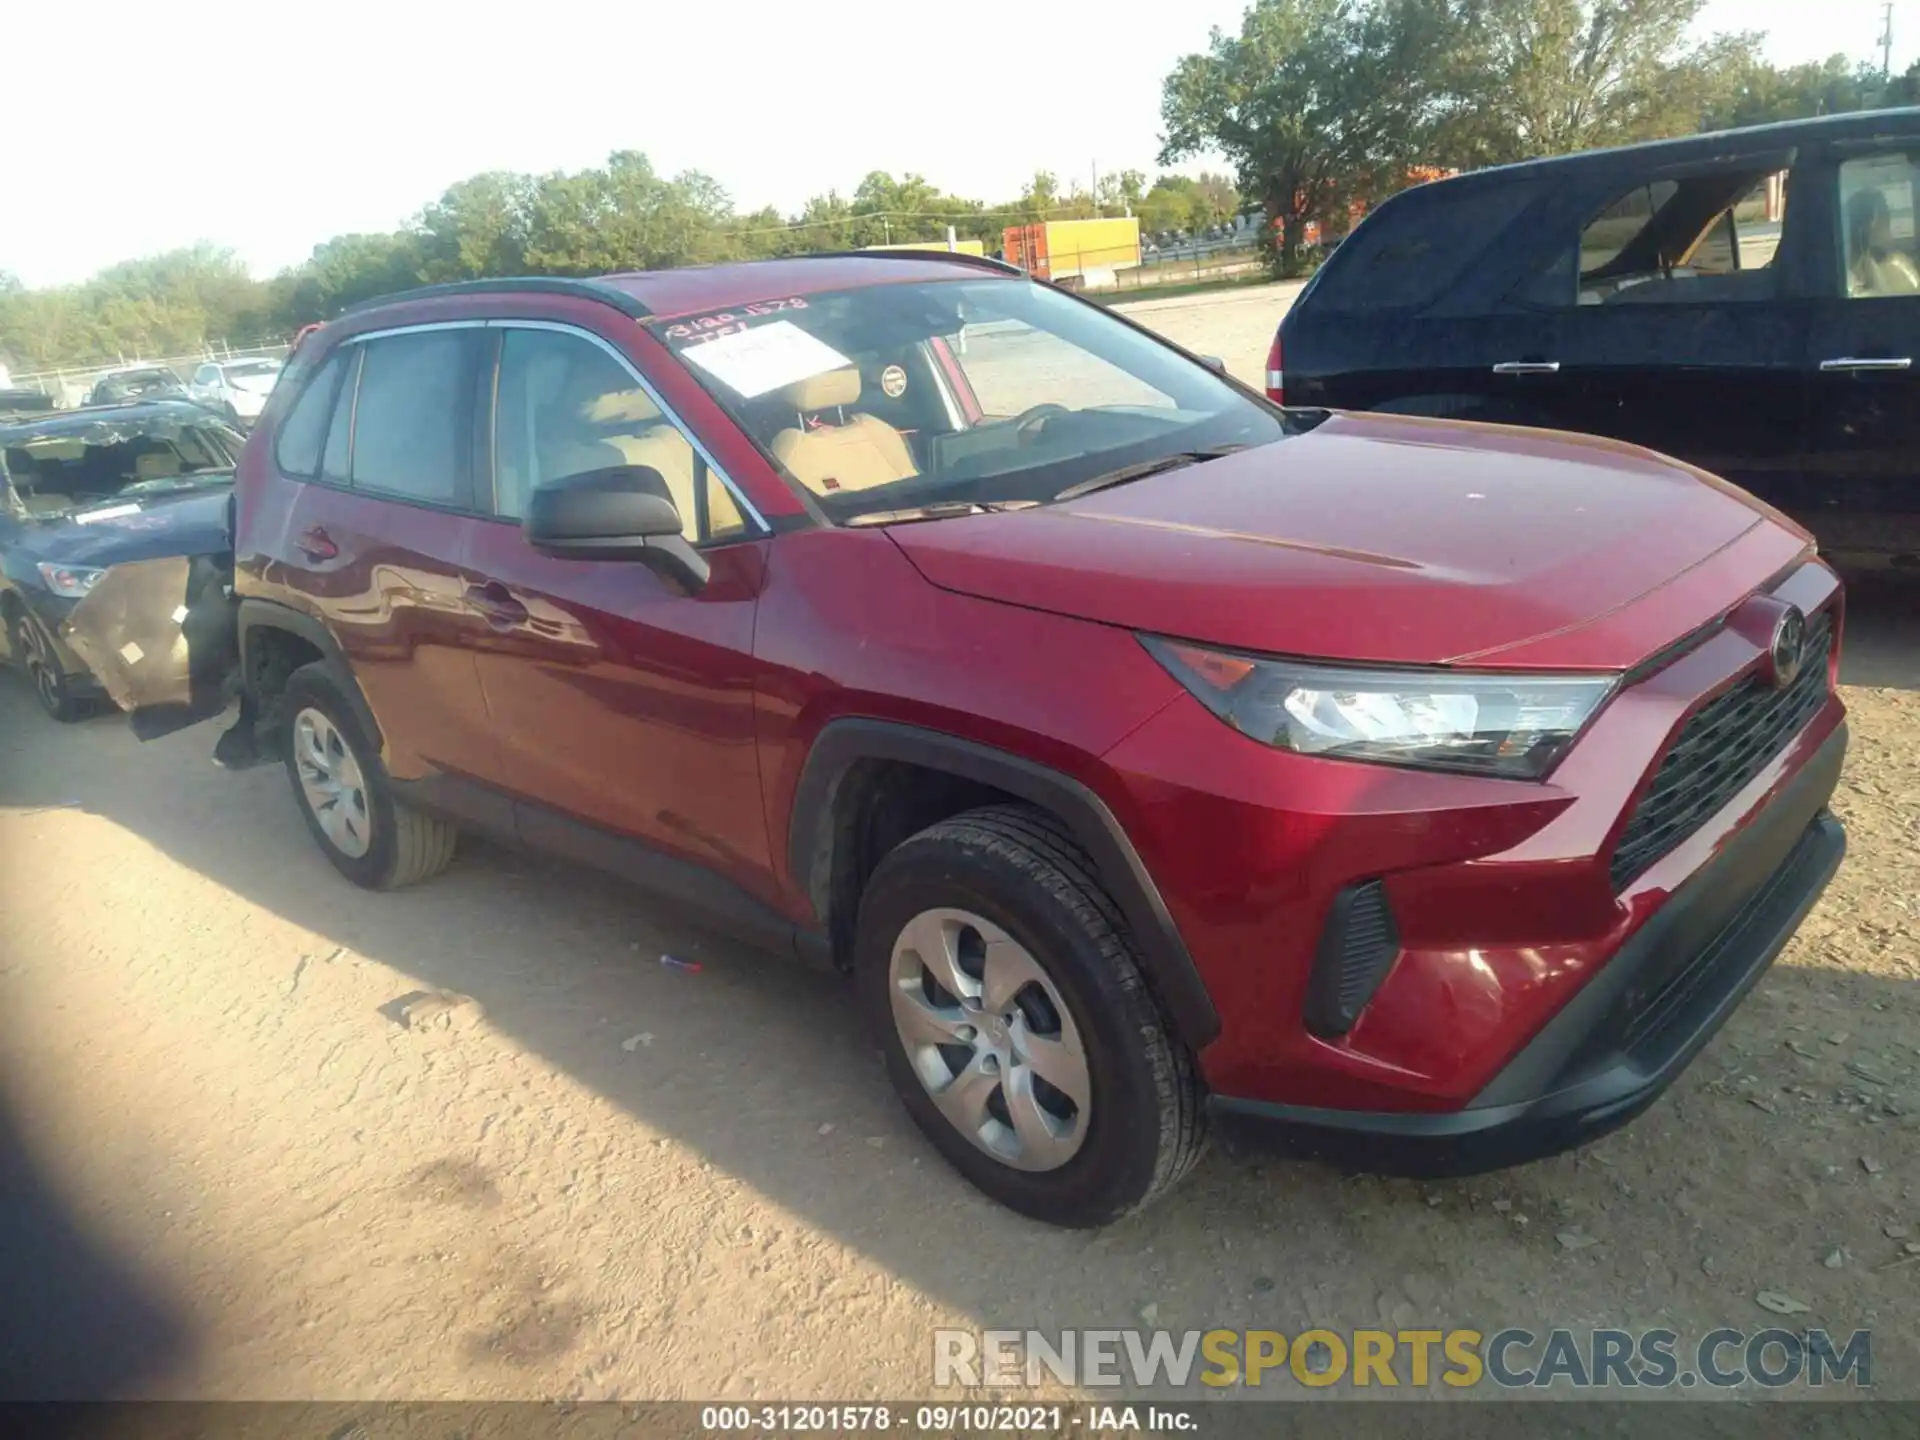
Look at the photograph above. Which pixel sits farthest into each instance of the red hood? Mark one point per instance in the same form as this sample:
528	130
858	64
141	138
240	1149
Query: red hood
1389	539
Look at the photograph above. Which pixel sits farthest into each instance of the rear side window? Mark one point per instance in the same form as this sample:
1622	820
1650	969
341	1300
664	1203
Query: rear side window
412	417
1410	253
1703	239
297	448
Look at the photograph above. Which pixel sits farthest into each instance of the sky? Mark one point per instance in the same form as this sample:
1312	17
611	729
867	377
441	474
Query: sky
269	128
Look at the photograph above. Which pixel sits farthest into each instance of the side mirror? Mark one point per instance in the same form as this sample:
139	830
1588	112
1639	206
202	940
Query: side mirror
620	513
1215	364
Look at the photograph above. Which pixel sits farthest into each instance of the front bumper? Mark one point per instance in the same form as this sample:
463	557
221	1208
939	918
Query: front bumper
1629	1032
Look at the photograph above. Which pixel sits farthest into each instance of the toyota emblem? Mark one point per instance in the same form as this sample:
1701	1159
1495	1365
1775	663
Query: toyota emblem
1788	647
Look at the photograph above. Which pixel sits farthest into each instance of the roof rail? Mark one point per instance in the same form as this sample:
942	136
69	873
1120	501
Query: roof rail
522	284
952	257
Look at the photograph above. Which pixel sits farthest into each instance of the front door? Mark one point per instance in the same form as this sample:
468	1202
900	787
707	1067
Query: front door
618	703
1862	464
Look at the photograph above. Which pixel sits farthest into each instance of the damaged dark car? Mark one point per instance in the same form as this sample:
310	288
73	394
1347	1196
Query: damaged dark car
115	541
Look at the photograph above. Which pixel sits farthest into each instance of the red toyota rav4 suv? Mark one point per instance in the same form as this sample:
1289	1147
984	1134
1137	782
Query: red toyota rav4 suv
1428	793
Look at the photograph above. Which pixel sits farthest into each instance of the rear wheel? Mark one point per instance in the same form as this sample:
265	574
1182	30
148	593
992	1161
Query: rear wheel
33	649
1016	1023
344	793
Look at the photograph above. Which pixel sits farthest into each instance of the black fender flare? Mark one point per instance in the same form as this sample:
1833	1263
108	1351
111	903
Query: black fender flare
842	743
257	615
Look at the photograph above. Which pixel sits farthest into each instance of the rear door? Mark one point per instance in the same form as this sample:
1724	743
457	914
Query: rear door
1861	491
377	540
1675	317
616	700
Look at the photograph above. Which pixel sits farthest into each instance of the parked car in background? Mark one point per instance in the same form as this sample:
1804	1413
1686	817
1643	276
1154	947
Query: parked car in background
145	382
1747	301
236	388
1425	794
116	517
17	401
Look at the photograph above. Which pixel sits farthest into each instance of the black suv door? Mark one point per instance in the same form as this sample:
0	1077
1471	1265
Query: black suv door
1861	488
1673	316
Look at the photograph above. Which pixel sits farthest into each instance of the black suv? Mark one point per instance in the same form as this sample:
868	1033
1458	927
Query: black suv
1747	301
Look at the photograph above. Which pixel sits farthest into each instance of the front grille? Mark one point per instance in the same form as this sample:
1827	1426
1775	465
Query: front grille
1728	741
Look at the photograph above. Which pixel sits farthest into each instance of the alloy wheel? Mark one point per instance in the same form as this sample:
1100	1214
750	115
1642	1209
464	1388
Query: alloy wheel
991	1039
42	668
331	783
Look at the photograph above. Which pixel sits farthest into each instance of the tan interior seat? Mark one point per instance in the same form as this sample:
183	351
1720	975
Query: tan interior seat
848	451
156	465
665	449
46	504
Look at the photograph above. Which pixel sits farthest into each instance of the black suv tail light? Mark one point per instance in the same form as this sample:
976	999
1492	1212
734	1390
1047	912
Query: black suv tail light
1356	950
1276	374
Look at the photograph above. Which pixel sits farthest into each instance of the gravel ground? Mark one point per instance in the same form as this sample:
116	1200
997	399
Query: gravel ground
612	1178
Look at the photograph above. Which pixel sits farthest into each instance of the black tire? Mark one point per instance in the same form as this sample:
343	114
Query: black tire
405	845
1017	868
33	652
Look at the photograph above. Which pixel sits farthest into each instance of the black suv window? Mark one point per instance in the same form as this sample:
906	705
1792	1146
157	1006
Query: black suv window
411	418
1703	239
1407	255
1879	245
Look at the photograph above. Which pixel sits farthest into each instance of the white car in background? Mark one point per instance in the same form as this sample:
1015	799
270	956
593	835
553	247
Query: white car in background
237	387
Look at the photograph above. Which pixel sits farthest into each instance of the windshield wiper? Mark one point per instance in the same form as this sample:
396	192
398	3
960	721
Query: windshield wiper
939	510
1125	473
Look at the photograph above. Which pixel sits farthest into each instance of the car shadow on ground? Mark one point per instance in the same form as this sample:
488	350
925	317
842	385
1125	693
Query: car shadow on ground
1700	1203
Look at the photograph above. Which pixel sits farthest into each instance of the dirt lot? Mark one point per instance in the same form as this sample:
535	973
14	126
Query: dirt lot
629	1180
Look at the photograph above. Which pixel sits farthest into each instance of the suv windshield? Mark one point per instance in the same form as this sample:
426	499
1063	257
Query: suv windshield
895	397
64	467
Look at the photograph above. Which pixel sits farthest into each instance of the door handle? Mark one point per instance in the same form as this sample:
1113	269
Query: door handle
1865	365
500	609
316	544
1527	367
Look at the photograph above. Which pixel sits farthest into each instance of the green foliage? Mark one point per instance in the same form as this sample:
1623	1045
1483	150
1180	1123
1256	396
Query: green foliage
1309	101
1514	79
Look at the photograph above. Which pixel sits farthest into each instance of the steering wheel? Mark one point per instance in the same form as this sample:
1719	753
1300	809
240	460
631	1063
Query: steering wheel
1026	425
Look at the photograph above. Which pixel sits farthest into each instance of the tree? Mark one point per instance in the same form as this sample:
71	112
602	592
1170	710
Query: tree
1310	99
1758	94
1041	197
478	228
1516	79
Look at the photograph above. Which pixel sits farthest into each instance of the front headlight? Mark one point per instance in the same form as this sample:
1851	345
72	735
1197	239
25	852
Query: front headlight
1514	726
69	582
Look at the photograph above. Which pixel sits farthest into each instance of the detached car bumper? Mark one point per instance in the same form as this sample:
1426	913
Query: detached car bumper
1627	1034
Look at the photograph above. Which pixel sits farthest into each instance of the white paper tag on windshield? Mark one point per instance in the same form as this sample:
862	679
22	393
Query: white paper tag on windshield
112	512
753	362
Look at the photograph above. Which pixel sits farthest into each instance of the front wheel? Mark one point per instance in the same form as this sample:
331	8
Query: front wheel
345	796
33	649
1017	1026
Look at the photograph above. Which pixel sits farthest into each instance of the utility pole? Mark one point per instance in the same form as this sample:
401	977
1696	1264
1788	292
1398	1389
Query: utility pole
1886	48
